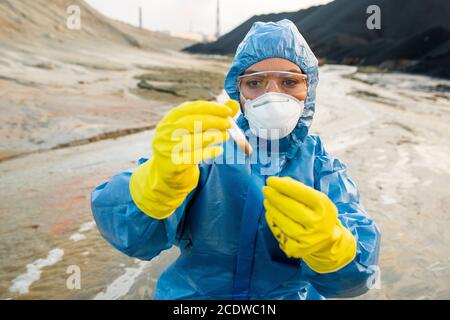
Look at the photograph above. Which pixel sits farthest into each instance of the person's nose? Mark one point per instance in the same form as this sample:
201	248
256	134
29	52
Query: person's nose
272	86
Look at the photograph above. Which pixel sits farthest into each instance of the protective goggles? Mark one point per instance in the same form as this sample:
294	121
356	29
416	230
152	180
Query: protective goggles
255	84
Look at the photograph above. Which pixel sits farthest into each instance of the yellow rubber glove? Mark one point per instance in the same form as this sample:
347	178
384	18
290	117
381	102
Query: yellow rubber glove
187	135
305	223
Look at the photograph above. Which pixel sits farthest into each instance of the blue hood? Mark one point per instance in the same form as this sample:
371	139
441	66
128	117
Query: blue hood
277	40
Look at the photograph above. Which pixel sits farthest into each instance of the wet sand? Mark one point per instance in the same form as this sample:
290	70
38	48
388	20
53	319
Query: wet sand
391	130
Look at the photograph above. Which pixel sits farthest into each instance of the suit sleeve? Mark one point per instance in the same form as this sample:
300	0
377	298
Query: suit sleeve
126	227
355	278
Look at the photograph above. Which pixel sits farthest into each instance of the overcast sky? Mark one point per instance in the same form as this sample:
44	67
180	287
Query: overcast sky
195	15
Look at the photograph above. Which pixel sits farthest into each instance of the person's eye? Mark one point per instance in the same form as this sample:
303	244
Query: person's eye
290	83
253	84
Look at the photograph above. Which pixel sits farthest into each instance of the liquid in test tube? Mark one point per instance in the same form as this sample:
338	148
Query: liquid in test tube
238	136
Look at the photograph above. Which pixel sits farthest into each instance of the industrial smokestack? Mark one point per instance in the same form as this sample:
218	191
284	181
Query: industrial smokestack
140	17
218	20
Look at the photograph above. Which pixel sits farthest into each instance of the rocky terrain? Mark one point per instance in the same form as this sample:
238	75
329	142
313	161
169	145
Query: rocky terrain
414	37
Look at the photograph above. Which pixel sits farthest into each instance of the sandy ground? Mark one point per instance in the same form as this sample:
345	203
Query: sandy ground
51	97
390	129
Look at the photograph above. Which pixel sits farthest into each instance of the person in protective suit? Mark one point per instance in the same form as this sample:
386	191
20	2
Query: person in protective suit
285	224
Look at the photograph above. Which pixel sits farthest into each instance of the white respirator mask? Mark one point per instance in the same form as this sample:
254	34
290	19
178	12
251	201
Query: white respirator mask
273	115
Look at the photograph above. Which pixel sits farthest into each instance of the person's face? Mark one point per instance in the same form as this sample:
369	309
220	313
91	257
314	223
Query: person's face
275	64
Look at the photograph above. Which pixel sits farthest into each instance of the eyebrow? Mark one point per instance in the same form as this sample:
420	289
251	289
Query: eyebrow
248	71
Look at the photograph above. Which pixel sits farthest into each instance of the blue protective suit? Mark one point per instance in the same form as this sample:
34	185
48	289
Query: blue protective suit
227	248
